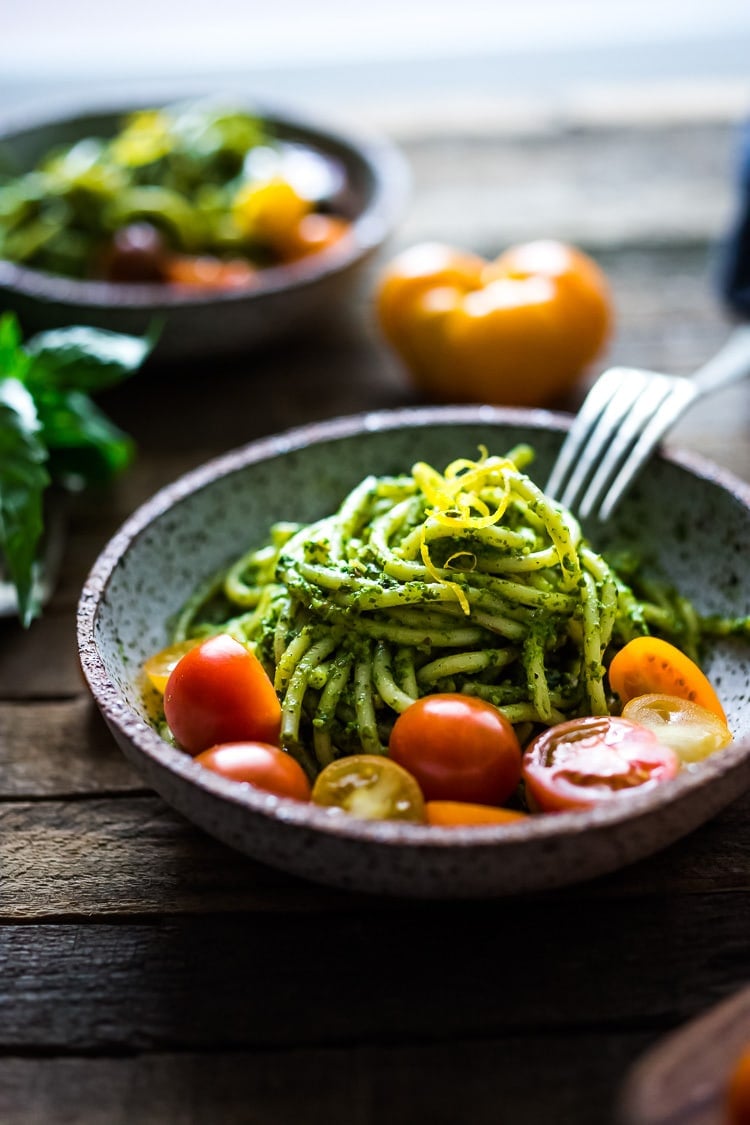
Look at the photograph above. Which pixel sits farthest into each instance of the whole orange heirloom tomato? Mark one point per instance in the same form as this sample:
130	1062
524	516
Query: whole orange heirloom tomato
518	330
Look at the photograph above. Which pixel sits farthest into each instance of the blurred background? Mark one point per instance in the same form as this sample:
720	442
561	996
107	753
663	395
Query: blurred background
392	59
421	71
611	125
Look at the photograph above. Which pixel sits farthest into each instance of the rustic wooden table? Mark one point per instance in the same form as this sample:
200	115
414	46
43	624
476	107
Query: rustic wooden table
150	975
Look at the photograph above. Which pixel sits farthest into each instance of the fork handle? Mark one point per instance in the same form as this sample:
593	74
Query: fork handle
730	364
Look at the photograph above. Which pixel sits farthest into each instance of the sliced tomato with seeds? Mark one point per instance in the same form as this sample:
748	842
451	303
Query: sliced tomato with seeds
584	762
370	787
692	731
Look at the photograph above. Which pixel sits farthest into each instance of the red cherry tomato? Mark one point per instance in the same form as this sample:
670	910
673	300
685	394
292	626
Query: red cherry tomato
459	749
264	766
219	692
583	762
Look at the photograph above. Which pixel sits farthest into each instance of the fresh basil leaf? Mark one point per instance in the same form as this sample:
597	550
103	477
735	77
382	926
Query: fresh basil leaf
23	479
84	359
14	361
85	447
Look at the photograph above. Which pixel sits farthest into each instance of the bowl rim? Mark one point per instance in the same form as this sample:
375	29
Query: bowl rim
135	730
377	154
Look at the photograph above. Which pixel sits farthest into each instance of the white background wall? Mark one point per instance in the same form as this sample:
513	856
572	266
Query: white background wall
382	56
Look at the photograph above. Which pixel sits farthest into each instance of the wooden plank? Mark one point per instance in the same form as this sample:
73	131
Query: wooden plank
40	662
134	855
55	749
418	972
484	1082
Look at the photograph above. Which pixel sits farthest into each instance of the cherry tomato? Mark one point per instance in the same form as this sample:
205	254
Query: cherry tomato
370	787
312	234
648	664
692	731
452	814
459	749
206	272
580	763
160	666
137	252
219	692
260	764
266	210
738	1092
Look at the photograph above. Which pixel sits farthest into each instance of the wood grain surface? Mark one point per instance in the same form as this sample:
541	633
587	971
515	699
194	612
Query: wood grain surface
150	975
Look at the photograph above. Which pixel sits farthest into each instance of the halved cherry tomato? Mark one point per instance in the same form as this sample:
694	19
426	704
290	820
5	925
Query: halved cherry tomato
649	664
459	749
159	667
370	787
452	814
738	1092
582	762
219	692
260	764
692	731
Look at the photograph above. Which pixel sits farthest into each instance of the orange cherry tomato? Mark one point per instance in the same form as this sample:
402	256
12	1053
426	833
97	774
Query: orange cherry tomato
519	330
206	272
219	692
370	787
458	748
583	762
259	764
649	664
738	1091
312	234
454	814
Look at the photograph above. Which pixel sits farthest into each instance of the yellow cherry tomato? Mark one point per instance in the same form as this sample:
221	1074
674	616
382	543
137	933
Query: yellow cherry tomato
159	667
370	787
692	731
268	210
519	330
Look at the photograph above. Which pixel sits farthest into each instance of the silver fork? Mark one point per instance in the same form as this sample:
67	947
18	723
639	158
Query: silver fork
622	419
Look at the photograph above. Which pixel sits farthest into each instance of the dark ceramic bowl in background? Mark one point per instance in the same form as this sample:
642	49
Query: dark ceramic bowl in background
202	322
688	517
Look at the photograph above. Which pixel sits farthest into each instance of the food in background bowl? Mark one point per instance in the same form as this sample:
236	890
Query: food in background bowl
329	196
190	195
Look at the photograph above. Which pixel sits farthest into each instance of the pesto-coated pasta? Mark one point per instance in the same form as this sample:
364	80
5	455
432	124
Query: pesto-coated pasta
470	581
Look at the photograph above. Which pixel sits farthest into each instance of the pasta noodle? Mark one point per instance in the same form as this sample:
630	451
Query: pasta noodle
470	581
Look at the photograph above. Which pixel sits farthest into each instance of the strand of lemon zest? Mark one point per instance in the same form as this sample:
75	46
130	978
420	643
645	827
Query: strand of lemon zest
454	586
450	562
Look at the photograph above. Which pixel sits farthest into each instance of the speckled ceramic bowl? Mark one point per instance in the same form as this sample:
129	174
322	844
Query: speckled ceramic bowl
194	323
689	516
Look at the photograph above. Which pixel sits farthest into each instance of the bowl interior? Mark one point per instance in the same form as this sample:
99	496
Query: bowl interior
686	518
690	524
194	321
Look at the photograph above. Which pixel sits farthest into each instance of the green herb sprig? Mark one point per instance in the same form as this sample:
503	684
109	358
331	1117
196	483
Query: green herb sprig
51	431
